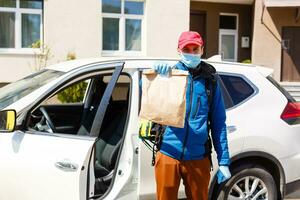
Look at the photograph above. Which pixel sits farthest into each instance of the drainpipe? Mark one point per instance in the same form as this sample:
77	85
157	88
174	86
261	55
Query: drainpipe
263	23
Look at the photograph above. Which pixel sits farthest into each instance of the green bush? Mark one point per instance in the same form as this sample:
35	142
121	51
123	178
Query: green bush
246	61
74	93
36	44
71	56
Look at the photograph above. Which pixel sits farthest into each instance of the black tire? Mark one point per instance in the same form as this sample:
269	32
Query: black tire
253	173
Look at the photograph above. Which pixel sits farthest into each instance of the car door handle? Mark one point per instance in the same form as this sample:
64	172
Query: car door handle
231	129
66	165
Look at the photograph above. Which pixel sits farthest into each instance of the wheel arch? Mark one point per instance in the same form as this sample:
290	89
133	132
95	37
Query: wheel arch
264	159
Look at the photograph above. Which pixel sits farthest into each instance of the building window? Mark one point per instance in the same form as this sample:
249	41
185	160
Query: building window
20	23
122	26
228	36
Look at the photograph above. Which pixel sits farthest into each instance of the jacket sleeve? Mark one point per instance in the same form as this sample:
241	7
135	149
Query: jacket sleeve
218	127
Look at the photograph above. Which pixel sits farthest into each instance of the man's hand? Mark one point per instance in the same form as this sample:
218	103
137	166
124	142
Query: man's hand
223	174
162	68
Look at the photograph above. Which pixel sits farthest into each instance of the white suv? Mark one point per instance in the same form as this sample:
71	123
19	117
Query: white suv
76	134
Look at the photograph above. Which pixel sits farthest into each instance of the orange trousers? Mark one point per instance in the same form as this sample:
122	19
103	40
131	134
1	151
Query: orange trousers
169	171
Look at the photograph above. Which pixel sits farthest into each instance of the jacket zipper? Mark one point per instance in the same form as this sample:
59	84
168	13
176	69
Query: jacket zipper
197	108
187	120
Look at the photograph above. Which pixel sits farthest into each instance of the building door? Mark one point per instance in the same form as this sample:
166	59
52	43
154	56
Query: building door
198	23
228	44
290	50
228	36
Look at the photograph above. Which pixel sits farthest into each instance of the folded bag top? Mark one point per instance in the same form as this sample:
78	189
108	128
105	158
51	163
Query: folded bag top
164	98
173	72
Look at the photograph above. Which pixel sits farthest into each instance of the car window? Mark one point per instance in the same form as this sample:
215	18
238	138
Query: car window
281	89
237	87
121	89
74	93
119	99
73	108
15	91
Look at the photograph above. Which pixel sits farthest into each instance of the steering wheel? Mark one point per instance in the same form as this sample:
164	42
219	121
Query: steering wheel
48	119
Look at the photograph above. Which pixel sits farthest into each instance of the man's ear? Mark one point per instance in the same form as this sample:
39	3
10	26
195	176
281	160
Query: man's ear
201	50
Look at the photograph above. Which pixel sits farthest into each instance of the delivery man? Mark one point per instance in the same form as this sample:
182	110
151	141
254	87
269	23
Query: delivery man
183	152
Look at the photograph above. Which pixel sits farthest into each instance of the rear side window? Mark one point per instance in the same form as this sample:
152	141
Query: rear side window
281	89
237	88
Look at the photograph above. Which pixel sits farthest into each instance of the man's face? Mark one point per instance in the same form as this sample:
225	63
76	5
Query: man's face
192	49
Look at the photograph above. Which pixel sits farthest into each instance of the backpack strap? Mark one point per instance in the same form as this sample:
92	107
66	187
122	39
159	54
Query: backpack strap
210	87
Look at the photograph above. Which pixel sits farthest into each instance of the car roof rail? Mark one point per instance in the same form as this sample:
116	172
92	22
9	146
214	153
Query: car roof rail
217	58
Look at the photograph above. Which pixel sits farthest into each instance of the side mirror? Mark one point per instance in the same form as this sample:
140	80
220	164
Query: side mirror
7	120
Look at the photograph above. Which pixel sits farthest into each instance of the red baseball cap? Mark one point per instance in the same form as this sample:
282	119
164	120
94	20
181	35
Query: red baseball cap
189	37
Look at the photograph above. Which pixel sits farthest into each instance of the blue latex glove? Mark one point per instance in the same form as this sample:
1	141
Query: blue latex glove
223	174
162	68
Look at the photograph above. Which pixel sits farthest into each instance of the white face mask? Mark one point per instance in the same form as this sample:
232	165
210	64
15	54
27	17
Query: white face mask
191	60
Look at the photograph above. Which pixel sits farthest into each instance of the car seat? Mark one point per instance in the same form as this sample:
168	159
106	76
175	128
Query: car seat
98	88
107	149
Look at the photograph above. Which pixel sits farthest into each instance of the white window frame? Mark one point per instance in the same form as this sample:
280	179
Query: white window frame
228	32
122	31
233	32
18	49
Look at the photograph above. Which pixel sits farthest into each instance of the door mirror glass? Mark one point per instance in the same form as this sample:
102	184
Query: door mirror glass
7	120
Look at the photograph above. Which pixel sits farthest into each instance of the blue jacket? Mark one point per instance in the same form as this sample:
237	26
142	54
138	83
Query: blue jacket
187	143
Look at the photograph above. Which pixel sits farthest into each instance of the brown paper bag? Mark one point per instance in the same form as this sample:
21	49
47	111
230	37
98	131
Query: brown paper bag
163	98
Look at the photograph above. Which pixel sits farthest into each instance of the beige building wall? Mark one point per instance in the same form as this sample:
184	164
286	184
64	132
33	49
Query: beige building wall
72	27
266	45
13	66
75	27
165	20
69	27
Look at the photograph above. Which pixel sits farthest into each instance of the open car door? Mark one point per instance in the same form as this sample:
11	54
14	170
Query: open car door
39	165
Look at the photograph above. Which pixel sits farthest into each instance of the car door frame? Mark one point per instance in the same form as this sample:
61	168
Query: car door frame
115	67
74	74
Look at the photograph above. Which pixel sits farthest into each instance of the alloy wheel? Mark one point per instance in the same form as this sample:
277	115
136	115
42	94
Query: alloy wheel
248	188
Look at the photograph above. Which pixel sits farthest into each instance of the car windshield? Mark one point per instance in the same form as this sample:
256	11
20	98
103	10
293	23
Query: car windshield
16	90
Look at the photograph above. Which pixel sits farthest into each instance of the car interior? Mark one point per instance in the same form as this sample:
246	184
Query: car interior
76	116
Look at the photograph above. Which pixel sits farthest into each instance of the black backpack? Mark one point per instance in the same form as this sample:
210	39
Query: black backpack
152	133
